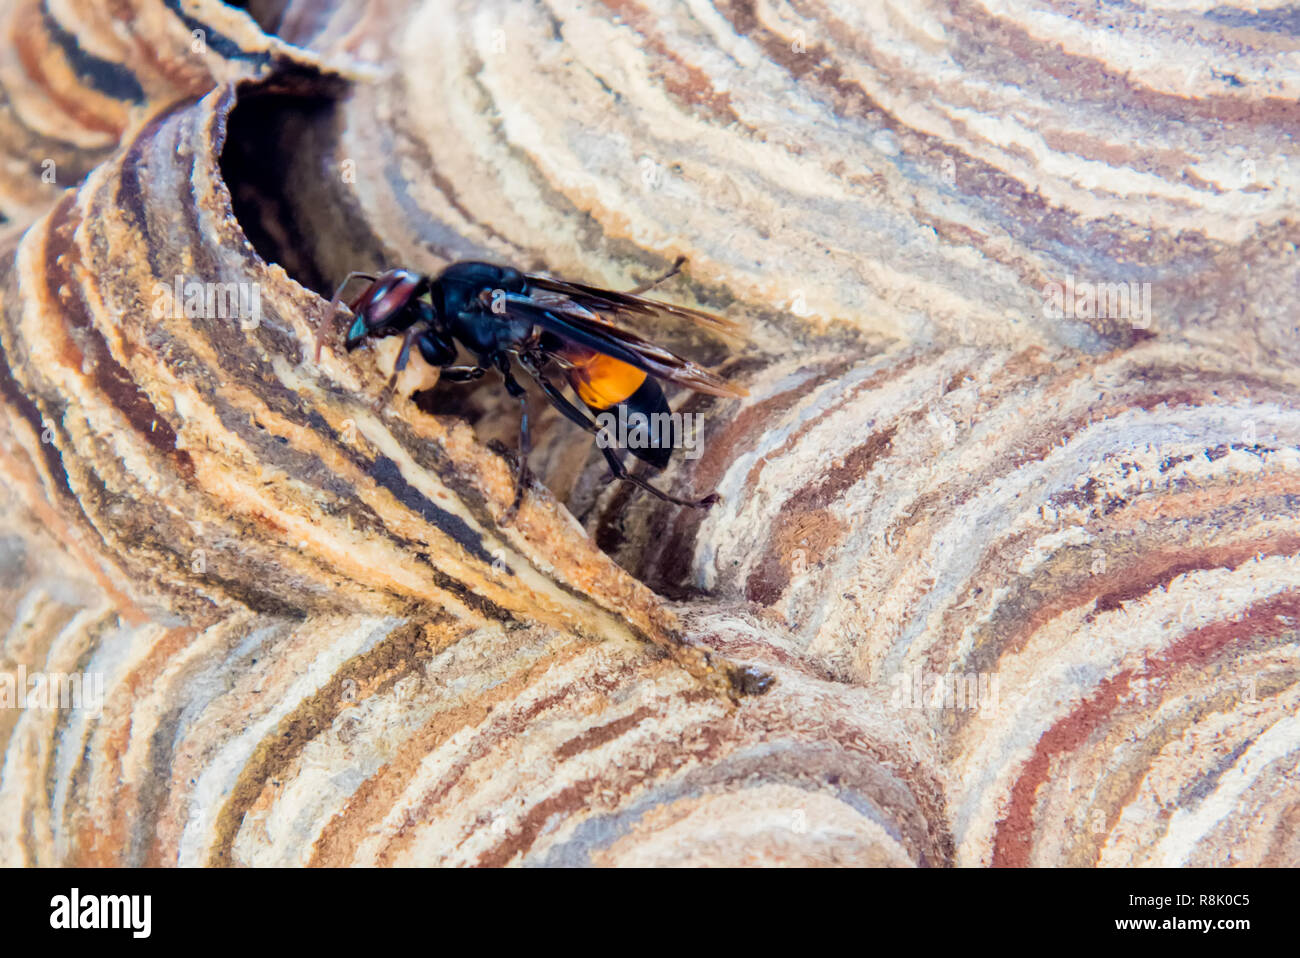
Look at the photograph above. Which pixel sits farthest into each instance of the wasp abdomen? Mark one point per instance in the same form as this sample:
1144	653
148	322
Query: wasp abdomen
602	381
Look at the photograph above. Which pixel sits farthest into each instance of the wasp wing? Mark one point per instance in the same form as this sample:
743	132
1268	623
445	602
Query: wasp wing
575	322
630	304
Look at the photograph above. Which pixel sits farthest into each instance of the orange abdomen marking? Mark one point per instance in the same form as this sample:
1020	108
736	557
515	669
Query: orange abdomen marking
602	381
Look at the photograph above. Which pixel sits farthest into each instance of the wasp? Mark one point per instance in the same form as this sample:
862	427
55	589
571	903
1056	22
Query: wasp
502	317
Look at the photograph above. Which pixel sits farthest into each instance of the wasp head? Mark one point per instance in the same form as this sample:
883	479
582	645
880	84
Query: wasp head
389	305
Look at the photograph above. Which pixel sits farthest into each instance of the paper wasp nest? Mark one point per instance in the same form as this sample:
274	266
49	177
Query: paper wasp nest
1009	515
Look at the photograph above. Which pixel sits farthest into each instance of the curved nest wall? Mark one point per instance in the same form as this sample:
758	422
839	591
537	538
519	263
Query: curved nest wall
1022	427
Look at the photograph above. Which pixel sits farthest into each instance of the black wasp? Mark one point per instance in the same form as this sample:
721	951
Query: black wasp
496	313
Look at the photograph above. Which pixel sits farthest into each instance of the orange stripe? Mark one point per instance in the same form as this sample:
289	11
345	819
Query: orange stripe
601	381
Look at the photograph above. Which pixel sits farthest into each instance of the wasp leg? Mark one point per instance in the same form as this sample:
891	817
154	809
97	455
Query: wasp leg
403	358
576	416
502	363
621	472
460	374
651	284
334	304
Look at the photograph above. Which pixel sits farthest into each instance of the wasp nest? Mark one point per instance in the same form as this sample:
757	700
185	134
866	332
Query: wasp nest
1005	569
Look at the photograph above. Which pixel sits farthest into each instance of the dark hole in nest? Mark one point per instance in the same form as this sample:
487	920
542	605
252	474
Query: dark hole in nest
280	166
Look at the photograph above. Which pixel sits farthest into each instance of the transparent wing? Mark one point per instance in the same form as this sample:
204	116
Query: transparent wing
578	323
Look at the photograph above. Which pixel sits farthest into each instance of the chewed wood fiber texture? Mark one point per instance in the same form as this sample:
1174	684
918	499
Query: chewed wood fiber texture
320	643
